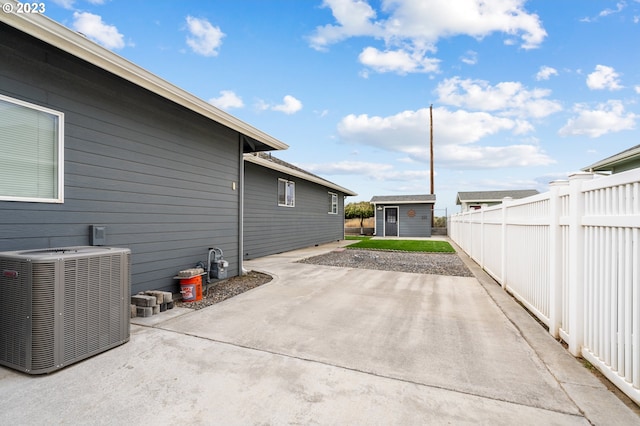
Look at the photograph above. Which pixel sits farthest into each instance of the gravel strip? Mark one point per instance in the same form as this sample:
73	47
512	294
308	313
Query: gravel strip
226	289
399	261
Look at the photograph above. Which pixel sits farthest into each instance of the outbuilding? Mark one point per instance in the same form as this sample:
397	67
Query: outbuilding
473	200
403	215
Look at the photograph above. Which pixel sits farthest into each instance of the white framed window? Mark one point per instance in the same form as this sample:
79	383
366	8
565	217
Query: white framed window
286	193
32	147
333	203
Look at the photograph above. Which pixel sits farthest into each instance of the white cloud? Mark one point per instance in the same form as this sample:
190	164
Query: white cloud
456	134
608	117
507	98
619	7
205	38
637	89
399	61
605	12
92	26
470	58
289	105
545	73
347	168
603	77
411	28
227	100
487	157
354	19
372	171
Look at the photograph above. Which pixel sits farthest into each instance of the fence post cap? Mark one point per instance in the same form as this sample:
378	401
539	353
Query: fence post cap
581	175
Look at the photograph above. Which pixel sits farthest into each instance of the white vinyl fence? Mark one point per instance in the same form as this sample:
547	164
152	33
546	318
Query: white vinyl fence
571	256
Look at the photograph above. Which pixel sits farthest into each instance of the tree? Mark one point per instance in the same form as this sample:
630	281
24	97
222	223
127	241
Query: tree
361	210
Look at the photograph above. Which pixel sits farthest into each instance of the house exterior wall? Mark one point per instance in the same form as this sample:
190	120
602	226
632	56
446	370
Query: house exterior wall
416	225
270	228
158	176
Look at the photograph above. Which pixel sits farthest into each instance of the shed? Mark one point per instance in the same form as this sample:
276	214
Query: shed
403	215
471	200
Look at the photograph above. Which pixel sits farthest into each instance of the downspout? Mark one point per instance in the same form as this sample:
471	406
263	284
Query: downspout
241	270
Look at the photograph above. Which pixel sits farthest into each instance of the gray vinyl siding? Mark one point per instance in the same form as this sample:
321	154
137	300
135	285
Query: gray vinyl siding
270	229
158	176
417	226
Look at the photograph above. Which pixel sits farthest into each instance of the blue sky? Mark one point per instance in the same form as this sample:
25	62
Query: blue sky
523	92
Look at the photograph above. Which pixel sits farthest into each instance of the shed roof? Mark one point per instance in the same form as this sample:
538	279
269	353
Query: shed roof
492	196
404	199
61	37
608	164
273	163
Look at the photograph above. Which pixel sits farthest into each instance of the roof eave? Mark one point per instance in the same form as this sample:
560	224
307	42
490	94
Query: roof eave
608	164
292	172
51	32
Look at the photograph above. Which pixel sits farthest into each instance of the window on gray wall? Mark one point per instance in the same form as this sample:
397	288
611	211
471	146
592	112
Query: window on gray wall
31	142
333	203
286	193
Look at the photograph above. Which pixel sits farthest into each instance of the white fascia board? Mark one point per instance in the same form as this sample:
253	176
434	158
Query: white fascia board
292	172
375	203
49	31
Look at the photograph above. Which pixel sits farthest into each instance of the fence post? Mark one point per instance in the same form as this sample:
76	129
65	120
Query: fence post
482	235
576	263
503	242
555	258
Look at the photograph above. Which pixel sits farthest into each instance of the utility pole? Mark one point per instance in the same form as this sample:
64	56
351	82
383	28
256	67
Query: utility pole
431	144
431	160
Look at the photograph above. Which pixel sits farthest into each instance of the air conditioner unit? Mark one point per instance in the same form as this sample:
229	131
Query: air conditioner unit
59	306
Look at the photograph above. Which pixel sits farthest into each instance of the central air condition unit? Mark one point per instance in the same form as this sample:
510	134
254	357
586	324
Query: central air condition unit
59	306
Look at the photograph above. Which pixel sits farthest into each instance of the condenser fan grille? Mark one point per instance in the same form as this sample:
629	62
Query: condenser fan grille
58	306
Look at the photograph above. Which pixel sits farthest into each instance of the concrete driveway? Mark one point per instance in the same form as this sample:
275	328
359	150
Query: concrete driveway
326	345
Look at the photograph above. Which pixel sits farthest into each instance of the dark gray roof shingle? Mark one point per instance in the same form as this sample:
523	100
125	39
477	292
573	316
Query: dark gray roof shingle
471	196
424	198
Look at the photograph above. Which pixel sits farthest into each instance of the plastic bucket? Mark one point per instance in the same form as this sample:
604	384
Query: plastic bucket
191	289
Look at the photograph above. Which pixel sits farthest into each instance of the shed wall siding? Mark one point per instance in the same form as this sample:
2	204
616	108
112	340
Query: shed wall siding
417	226
156	175
270	229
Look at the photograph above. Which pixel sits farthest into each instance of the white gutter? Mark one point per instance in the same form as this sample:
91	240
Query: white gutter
57	35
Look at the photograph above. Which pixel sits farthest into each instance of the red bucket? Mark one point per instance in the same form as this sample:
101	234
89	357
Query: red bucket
191	289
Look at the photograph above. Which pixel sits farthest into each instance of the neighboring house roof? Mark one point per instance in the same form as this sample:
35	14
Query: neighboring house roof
404	199
492	196
51	32
273	163
624	160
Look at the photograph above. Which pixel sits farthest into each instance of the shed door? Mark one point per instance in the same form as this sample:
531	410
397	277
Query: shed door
390	221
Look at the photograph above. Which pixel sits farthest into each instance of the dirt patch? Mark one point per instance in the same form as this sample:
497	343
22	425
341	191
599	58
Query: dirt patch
223	290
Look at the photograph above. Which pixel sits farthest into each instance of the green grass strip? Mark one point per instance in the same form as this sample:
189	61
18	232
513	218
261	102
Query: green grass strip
427	246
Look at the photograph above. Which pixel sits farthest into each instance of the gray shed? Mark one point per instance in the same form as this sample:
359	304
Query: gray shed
403	215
